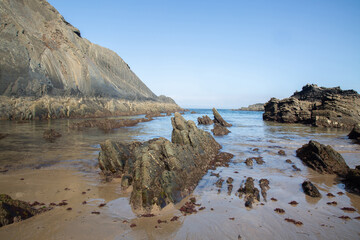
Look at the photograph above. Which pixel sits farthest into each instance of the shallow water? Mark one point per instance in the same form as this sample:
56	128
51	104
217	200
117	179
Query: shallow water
25	150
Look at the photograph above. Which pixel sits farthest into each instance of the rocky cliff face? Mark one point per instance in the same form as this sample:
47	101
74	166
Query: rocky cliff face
319	106
253	107
42	54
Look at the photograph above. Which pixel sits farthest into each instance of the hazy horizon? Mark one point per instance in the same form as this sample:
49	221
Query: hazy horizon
227	54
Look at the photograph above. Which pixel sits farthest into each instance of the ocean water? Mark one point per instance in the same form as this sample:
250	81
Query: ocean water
25	148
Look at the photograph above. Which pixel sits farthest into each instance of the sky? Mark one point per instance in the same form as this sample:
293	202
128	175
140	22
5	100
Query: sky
226	54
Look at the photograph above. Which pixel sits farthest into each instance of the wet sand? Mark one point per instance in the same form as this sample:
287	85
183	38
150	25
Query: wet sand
224	216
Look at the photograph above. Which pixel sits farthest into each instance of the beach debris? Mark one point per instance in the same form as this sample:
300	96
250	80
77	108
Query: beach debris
147	215
250	191
161	221
264	186
297	223
132	225
340	193
249	162
215	174
95	212
288	161
310	189
281	153
348	209
84	202
345	217
330	195
293	203
69	209
295	168
102	204
279	210
332	203
273	199
232	218
174	218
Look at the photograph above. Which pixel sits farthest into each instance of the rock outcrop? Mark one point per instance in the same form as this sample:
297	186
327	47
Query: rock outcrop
310	189
355	133
319	106
205	120
162	172
14	210
258	107
219	130
219	120
324	159
321	158
41	54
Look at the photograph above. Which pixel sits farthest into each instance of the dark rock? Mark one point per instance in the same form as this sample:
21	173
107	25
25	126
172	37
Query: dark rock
205	120
319	106
310	189
352	180
264	186
218	119
295	168
163	172
281	153
220	130
229	180
219	182
288	161
193	112
250	191
51	134
249	162
14	210
321	158
355	133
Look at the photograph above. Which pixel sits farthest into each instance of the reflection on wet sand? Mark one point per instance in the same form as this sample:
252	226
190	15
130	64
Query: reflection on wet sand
71	162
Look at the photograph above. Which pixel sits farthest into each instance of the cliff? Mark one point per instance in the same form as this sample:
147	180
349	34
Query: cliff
44	55
253	107
319	106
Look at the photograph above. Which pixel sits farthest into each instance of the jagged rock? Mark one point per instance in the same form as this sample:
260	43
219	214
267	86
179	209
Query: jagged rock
355	133
319	106
251	193
321	158
14	210
218	119
51	134
310	189
163	172
264	186
219	130
41	54
254	107
205	120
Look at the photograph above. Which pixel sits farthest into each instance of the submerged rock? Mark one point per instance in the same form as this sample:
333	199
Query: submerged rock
319	106
219	130
14	210
321	158
218	119
205	120
108	124
51	134
355	133
163	172
310	189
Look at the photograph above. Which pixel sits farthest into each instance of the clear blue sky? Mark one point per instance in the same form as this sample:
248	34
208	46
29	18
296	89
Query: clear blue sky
227	54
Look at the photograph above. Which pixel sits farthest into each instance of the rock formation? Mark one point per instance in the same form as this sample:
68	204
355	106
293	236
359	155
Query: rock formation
254	107
219	130
251	193
44	55
319	106
205	120
218	119
162	172
310	189
321	158
14	210
355	133
324	159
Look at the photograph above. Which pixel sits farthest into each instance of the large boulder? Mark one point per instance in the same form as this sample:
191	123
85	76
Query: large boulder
219	130
355	133
218	119
321	158
14	210
319	106
163	172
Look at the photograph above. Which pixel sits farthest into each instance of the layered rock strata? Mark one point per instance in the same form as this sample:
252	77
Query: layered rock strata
319	106
41	54
163	172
